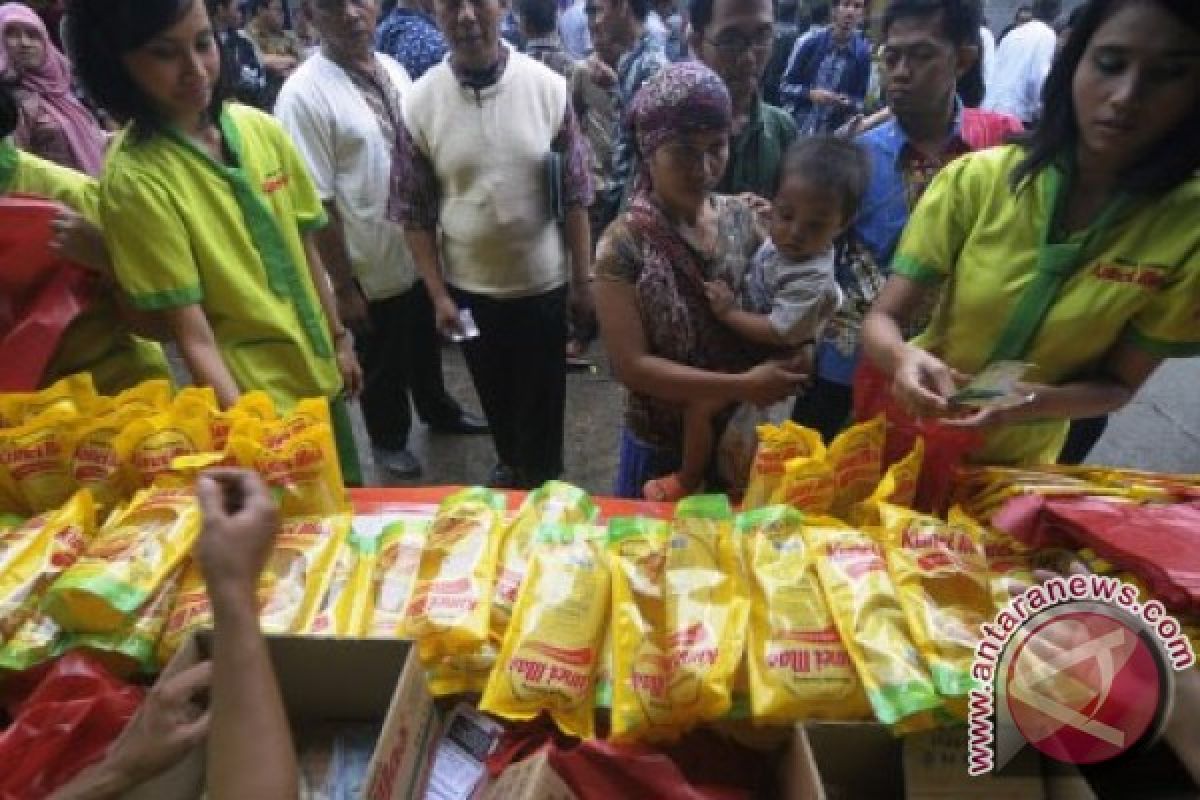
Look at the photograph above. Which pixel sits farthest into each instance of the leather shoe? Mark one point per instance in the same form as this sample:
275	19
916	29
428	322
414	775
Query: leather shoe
464	423
400	463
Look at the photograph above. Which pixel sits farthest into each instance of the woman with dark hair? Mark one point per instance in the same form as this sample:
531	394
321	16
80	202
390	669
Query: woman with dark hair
208	212
1076	251
51	121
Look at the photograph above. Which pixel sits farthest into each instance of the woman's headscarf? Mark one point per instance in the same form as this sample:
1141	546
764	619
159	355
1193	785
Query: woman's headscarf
683	98
51	82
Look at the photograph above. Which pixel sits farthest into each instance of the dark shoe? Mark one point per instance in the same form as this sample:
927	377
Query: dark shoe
400	463
465	423
503	477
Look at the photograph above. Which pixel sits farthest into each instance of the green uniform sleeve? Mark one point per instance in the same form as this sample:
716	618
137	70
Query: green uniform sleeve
934	236
148	240
310	213
1169	326
42	178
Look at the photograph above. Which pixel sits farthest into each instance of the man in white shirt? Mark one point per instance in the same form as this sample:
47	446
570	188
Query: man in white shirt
1023	60
342	108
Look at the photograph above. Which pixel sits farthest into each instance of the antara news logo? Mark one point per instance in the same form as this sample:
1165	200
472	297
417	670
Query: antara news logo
1078	668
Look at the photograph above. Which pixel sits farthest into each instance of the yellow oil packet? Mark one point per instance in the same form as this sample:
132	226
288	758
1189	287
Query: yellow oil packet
255	405
451	601
856	459
466	673
898	487
148	446
940	573
38	639
95	463
145	399
131	556
862	599
72	395
393	576
555	503
807	485
189	611
35	553
552	645
1010	563
11	503
298	571
641	668
37	457
705	612
797	666
341	609
132	650
302	467
777	445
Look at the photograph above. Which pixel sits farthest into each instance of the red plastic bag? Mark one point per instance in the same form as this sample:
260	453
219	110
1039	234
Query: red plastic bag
701	766
40	294
946	449
67	724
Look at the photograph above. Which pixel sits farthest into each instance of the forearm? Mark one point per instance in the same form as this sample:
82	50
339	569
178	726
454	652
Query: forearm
883	341
578	233
250	750
101	781
673	382
279	65
422	244
198	345
756	328
321	282
331	244
1076	400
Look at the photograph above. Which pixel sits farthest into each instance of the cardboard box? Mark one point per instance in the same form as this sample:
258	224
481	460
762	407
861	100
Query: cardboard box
325	681
531	779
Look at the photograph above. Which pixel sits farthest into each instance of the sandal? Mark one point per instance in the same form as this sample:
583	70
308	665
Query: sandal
666	489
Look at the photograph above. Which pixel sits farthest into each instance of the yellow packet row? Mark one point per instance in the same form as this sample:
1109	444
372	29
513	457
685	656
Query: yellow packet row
298	572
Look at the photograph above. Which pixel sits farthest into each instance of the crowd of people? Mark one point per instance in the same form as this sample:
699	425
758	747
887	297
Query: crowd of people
336	187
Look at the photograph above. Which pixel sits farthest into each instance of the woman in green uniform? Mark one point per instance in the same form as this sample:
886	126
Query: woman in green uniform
1077	252
101	340
208	212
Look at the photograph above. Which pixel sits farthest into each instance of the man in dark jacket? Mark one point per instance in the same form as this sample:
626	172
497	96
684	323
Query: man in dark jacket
826	80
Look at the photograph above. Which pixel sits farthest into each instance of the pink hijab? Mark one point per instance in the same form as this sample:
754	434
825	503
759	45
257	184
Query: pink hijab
51	82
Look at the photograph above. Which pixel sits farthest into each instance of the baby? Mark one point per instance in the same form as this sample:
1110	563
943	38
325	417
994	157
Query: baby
789	292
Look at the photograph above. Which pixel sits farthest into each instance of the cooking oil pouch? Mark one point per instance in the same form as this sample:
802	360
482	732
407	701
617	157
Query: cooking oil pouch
35	553
807	485
130	557
1010	563
856	459
465	673
37	458
148	447
73	396
251	405
38	639
552	645
132	651
554	503
302	468
797	666
642	706
146	399
777	445
706	613
190	611
298	571
393	576
451	603
940	573
341	609
898	487
862	599
95	462
11	503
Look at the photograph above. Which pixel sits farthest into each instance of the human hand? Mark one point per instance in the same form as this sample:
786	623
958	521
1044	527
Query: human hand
823	97
445	314
78	240
348	366
761	206
804	362
768	383
581	306
168	724
601	74
720	298
923	384
240	523
353	308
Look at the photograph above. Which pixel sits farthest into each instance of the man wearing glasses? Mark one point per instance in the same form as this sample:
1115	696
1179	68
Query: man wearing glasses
734	39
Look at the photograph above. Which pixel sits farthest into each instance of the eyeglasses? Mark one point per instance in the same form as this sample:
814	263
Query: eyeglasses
731	45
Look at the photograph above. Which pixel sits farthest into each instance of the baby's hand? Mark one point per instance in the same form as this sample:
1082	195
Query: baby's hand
720	297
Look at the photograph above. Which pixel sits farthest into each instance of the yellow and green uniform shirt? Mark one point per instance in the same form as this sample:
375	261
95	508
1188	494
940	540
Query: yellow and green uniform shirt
98	341
185	230
1139	283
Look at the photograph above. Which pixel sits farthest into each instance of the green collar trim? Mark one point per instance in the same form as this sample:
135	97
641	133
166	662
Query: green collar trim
283	275
9	156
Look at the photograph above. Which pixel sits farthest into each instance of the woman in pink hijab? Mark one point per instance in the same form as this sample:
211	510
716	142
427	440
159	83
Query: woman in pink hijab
52	122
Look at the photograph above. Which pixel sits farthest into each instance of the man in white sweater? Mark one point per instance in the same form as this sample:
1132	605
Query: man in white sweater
1023	60
491	184
342	108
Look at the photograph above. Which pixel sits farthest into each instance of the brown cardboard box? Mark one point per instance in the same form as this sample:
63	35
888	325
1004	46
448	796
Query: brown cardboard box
531	779
335	680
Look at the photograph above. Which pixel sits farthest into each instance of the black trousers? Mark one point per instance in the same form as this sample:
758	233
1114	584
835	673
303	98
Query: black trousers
825	407
1081	438
401	356
517	363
